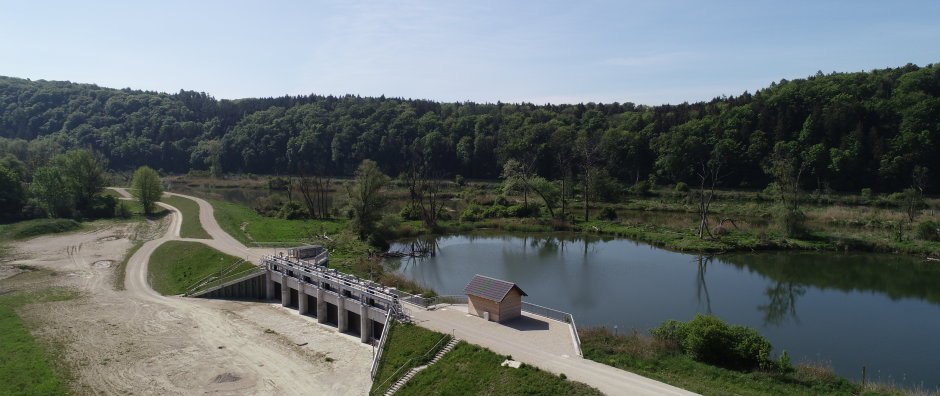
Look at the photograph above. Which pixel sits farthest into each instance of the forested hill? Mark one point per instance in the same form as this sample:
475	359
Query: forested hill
850	130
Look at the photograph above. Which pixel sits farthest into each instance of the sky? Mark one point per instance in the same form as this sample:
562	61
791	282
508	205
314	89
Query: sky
645	52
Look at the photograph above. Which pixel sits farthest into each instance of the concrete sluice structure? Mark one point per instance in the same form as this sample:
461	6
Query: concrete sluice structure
351	304
303	281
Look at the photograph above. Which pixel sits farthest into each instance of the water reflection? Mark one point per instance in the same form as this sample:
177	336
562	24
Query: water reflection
817	306
781	303
702	287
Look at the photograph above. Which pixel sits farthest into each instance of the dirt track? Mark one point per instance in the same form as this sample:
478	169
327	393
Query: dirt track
139	342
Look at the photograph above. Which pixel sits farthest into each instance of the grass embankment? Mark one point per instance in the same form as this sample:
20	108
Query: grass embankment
189	209
473	370
26	366
247	226
407	346
177	265
36	227
347	253
121	270
651	358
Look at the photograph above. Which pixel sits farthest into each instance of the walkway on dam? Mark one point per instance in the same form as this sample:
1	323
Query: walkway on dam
534	340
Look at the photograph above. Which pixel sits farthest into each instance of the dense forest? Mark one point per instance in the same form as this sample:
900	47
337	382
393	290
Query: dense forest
844	131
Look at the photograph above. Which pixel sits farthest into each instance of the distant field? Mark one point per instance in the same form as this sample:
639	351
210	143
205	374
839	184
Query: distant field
177	265
192	226
257	228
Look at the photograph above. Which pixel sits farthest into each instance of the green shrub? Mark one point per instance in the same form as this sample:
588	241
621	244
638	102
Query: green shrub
292	211
785	365
278	183
928	230
682	187
123	210
409	213
867	194
502	201
102	206
641	188
459	180
710	340
530	210
608	213
495	211
607	189
472	213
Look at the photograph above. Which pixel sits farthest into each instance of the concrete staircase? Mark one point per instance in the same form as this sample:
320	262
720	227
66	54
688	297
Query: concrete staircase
411	373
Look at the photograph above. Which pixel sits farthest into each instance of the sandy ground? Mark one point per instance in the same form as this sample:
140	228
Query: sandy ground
138	342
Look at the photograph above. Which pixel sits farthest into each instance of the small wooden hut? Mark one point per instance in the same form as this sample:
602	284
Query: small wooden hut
494	299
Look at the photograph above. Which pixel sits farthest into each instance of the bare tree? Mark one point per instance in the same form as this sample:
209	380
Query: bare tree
315	188
709	172
424	189
589	150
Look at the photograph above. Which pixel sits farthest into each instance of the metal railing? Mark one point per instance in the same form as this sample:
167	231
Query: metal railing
378	354
435	348
385	298
223	276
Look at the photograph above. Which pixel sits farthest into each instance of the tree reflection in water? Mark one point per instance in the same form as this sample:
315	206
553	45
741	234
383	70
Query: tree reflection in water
702	288
781	304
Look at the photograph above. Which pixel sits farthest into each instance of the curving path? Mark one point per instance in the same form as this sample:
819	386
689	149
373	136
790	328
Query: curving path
278	371
521	346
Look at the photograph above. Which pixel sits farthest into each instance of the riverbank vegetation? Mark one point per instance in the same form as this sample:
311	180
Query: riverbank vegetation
709	357
26	365
177	265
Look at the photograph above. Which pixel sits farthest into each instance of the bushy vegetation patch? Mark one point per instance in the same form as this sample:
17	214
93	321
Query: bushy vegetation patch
710	340
665	361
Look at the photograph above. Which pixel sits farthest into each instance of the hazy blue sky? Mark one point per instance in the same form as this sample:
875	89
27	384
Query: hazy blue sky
646	52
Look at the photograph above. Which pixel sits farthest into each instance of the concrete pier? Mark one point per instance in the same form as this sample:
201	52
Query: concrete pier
365	325
321	306
301	300
351	297
341	315
268	286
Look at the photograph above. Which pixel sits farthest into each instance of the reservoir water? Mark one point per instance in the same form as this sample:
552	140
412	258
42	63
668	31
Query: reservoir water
844	310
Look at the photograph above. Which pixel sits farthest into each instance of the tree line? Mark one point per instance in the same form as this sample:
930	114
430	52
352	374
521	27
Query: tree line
844	132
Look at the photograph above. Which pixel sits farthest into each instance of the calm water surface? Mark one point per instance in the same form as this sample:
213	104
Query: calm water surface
850	310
